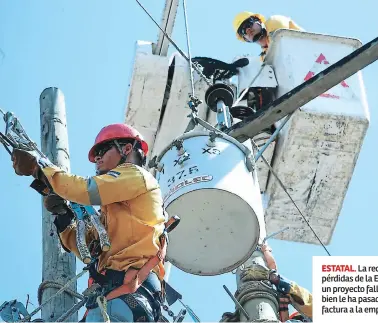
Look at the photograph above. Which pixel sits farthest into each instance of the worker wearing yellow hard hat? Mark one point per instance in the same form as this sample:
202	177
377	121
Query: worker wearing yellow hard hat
255	28
299	297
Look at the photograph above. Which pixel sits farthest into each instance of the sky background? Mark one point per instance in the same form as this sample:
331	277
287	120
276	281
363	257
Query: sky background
86	48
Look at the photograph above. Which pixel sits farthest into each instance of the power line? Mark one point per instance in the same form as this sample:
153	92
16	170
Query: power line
209	83
175	45
292	200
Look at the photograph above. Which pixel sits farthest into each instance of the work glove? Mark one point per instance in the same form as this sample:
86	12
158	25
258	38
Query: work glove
24	163
28	163
283	284
55	204
255	272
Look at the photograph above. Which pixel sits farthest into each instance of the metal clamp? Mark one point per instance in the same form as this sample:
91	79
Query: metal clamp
180	316
16	137
193	103
153	164
87	216
11	311
250	163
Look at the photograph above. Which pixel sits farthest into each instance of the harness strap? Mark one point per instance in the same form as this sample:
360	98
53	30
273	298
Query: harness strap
134	278
84	316
284	302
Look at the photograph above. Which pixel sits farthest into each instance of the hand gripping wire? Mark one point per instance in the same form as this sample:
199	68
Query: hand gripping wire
86	216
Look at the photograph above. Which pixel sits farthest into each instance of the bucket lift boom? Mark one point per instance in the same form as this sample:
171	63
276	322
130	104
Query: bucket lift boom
307	91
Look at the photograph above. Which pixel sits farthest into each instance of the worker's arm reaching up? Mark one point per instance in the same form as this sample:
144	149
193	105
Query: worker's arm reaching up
300	298
132	215
123	183
128	195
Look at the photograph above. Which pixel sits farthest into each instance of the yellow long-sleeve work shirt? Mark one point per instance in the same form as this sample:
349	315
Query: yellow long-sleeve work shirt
301	299
278	22
132	213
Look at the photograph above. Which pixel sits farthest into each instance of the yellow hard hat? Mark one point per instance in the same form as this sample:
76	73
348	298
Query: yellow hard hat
241	17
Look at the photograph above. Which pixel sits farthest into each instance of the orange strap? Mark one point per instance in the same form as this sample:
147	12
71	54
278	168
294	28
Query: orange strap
84	316
284	302
134	278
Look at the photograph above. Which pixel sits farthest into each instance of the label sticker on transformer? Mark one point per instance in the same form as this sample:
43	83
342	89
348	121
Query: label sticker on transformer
187	182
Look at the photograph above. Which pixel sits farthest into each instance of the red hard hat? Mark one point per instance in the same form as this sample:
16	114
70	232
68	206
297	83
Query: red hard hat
116	131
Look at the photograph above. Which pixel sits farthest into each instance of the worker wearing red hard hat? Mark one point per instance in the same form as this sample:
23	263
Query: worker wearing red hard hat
131	211
255	28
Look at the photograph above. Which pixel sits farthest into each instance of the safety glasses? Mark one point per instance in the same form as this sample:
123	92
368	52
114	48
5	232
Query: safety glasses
242	31
103	149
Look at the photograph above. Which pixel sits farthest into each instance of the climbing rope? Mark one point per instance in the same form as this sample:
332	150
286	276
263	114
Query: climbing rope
63	289
103	305
50	284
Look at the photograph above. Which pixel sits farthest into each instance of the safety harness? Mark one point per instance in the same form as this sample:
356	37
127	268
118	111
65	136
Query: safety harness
134	278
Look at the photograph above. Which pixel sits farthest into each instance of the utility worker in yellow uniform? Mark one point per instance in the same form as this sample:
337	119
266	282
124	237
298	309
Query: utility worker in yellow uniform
131	211
299	297
254	28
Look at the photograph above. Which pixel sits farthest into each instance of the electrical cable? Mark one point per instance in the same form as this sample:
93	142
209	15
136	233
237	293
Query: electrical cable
175	45
292	200
236	102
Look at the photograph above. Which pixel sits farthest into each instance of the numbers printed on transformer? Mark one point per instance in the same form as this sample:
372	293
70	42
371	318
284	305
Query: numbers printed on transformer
183	174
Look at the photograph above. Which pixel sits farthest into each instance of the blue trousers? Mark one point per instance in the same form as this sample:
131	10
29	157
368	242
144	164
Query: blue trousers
128	308
140	306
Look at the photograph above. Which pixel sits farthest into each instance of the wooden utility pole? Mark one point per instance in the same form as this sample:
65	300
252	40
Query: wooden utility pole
57	265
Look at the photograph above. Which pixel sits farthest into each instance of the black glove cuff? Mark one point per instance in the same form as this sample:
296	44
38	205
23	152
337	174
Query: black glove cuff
63	221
